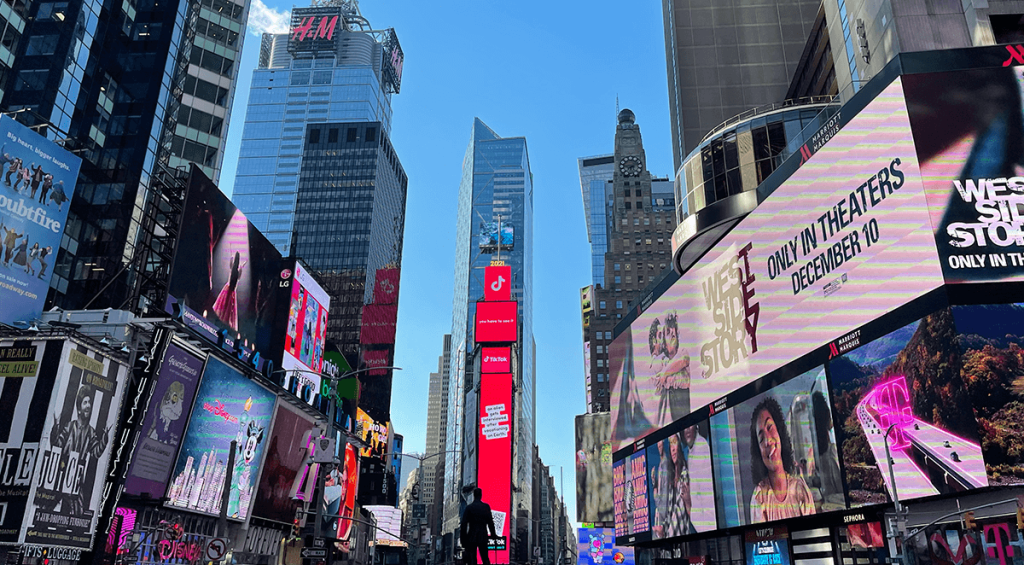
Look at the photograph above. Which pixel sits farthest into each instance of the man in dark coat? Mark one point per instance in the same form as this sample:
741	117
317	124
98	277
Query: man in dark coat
477	521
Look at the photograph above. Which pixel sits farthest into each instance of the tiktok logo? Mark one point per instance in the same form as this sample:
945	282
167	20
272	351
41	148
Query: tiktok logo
497	284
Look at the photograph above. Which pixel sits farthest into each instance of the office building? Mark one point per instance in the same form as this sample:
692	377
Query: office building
437	420
725	58
494	224
317	174
630	219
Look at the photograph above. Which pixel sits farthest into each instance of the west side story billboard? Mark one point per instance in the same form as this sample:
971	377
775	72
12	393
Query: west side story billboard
61	411
38	181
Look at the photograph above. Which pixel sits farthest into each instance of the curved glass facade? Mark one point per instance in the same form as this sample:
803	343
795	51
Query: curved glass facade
738	158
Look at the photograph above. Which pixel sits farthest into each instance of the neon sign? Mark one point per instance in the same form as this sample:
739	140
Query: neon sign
892	401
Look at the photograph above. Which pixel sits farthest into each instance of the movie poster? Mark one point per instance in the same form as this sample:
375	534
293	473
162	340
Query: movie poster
37	181
908	380
28	372
74	451
767	546
968	129
228	407
991	364
286	479
165	421
340	491
681	485
593	468
779	439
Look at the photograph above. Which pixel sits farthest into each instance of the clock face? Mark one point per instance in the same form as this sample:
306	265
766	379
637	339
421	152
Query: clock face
630	166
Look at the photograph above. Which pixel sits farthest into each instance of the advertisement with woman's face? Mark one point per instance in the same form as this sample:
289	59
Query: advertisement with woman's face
682	494
775	454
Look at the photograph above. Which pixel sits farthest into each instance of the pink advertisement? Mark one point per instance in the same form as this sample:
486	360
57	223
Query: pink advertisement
844	240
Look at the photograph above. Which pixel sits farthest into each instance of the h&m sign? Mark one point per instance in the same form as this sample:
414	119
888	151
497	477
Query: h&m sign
315	27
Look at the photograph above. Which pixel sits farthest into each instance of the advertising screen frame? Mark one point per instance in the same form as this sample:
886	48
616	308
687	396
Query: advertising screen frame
294	433
496	322
494	459
304	342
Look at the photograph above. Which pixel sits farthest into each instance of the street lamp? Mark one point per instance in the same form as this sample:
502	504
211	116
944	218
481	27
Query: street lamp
892	481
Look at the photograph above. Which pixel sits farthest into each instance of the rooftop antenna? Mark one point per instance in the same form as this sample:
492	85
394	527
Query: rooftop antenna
616	108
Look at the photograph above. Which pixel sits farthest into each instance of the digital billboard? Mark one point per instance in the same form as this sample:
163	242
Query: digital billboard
340	491
286	479
496	360
374	434
306	329
496	322
775	454
596	546
593	468
498	283
225	273
682	492
586	306
494	457
488	237
767	546
631	499
39	179
165	421
75	447
907	380
378	324
800	270
228	407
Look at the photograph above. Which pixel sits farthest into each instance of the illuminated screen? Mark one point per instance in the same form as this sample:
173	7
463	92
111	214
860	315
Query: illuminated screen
228	407
378	324
593	468
848	222
496	360
496	322
340	491
867	535
495	455
907	380
767	546
631	496
374	434
498	283
681	485
488	237
306	328
781	437
286	480
596	546
223	269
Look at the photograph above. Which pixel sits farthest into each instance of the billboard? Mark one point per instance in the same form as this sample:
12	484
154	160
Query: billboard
286	480
228	407
385	286
682	491
496	360
767	546
908	379
305	331
775	454
374	434
494	457
340	495
596	546
498	283
800	270
488	237
586	306
496	322
378	324
225	273
389	523
78	423
631	500
593	468
164	425
39	180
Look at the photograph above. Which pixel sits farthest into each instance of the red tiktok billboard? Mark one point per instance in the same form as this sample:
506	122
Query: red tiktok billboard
497	328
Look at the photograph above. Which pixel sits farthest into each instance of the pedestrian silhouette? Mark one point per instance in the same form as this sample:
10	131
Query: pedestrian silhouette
477	521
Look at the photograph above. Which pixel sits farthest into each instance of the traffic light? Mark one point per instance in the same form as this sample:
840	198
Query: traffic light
969	523
44	558
296	528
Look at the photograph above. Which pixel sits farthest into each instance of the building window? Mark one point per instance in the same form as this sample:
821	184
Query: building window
618	279
636	221
601	305
616	266
618	304
371	134
332	135
351	135
314	136
638	193
629	206
647	221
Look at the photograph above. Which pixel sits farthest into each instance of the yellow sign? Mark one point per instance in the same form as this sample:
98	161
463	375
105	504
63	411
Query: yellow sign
84	362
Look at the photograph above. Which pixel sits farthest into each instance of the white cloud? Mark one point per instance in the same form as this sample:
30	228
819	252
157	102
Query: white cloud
264	19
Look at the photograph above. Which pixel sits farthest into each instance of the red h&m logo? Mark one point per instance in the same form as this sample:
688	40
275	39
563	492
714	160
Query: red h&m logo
805	153
1016	55
323	31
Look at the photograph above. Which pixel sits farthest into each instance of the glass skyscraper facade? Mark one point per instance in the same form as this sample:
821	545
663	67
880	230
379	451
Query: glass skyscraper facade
496	187
299	82
595	173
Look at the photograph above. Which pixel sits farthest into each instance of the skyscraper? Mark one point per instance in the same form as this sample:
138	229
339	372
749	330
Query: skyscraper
318	175
630	218
494	224
437	423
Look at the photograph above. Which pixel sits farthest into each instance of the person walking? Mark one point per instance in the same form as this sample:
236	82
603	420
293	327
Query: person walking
477	521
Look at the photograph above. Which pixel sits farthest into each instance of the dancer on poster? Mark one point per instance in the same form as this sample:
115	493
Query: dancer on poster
78	436
226	306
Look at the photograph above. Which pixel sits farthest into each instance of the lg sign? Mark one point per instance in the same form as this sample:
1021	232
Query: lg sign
496	360
496	322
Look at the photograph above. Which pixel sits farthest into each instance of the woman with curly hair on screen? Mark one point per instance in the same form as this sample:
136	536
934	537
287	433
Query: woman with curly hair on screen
780	492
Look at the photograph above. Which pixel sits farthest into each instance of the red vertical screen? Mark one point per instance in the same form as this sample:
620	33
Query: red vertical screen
494	470
498	283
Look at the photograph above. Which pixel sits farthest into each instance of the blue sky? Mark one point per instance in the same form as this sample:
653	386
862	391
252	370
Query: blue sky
548	71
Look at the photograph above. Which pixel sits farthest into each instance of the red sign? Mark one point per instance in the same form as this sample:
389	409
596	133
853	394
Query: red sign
496	360
495	453
378	324
376	358
496	322
385	286
498	284
325	29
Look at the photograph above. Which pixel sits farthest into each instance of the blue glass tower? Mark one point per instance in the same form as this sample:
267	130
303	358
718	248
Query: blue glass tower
496	186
